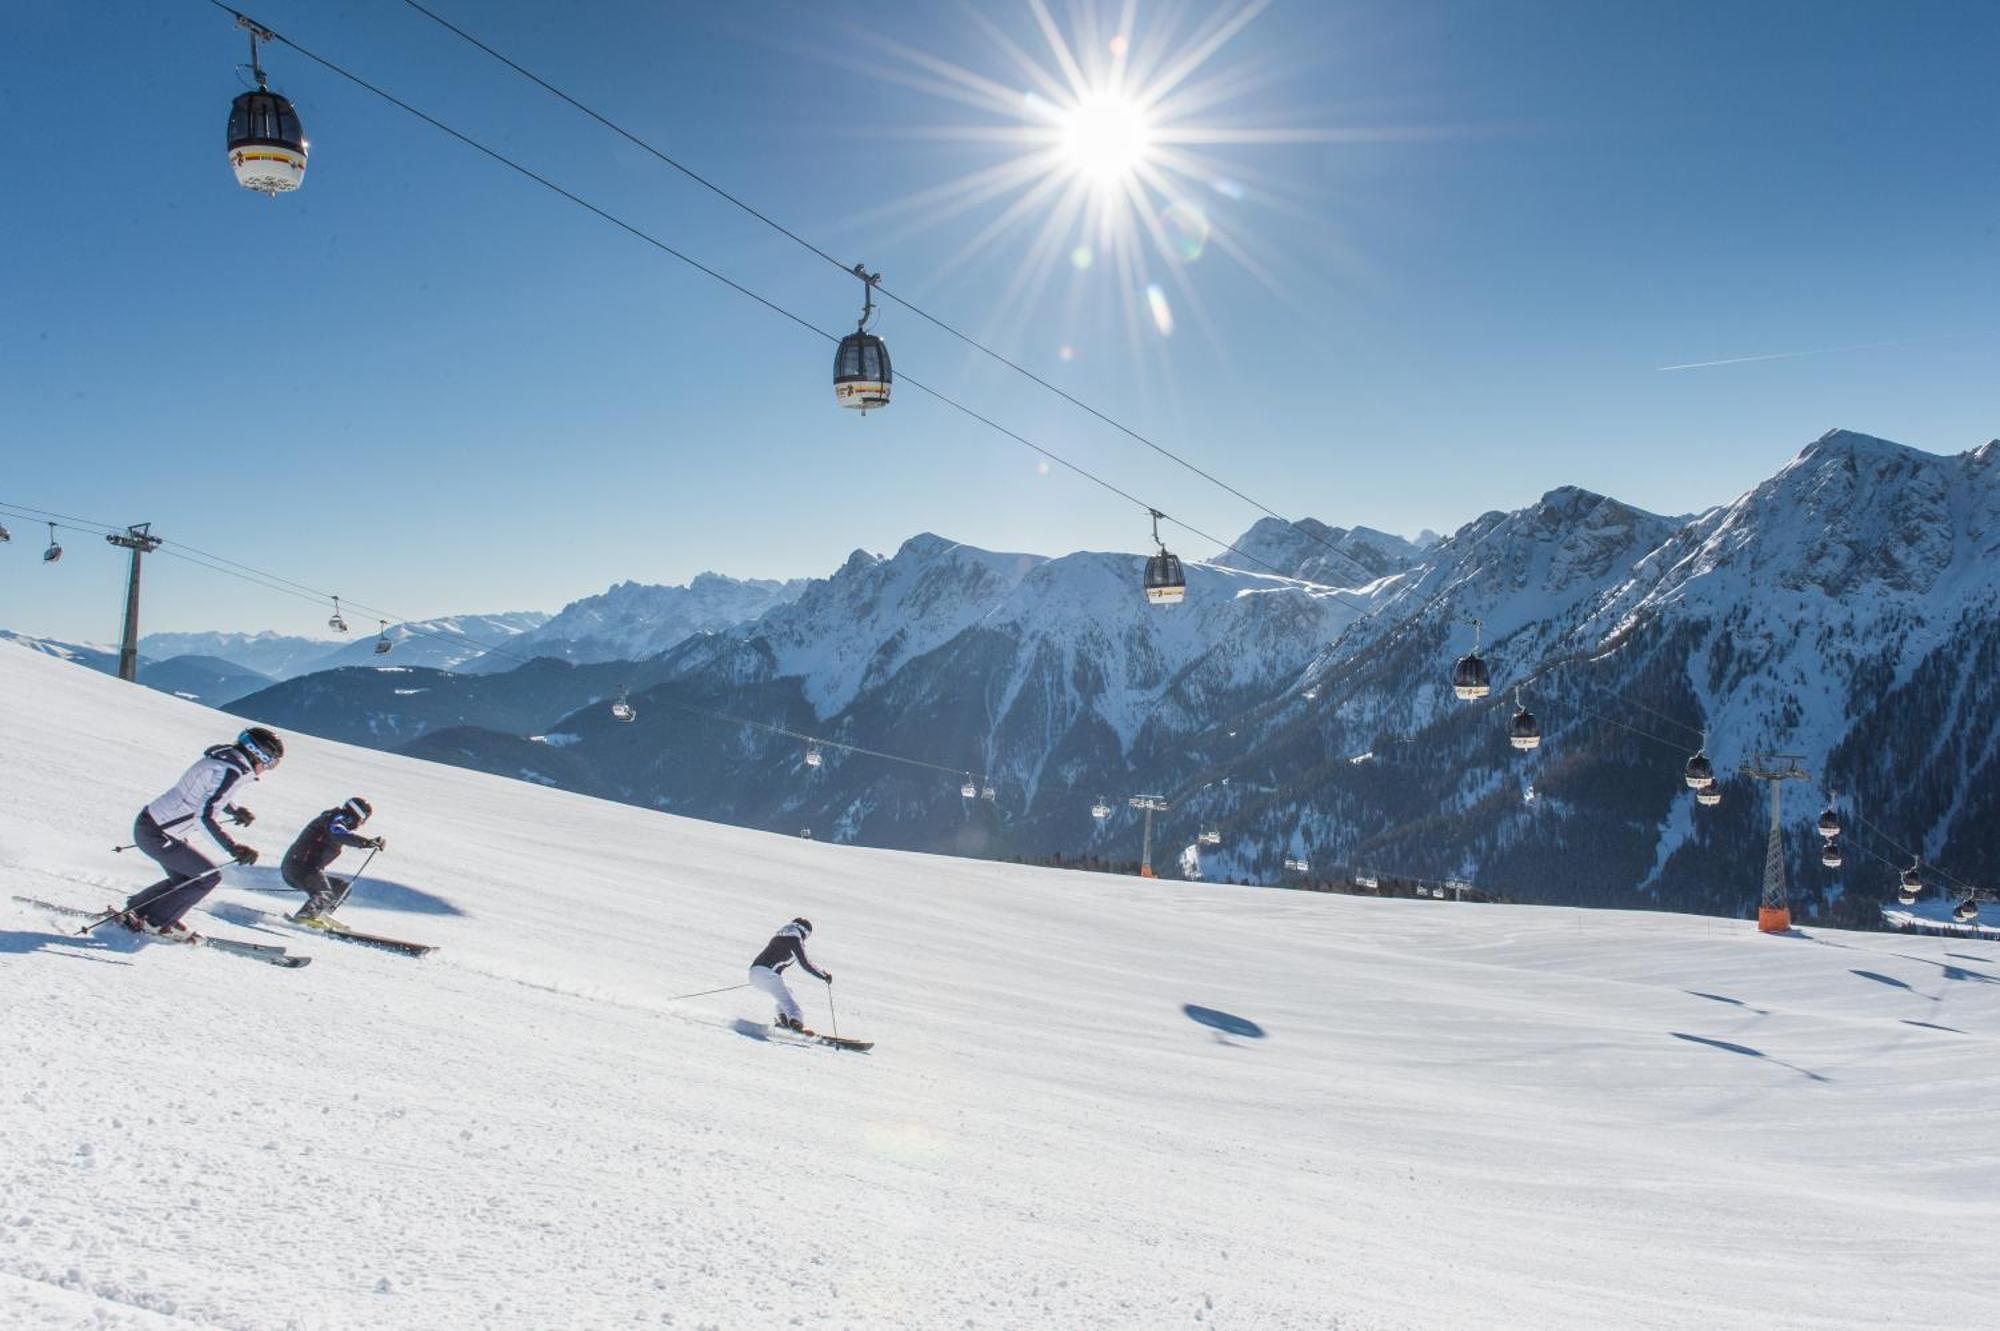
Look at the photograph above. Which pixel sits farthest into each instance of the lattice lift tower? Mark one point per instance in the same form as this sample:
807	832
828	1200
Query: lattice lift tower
1774	911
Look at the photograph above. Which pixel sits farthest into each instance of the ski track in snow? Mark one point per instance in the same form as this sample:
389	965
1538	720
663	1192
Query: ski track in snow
1461	1116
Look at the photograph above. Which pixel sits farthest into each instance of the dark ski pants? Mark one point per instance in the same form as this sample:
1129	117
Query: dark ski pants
190	876
317	884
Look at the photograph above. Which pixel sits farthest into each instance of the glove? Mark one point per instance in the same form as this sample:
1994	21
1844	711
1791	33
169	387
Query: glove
240	817
828	977
380	843
243	854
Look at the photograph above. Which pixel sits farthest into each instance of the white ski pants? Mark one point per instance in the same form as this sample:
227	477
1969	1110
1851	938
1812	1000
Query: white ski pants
772	983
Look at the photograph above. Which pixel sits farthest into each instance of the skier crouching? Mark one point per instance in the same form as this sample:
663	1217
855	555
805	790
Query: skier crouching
786	946
163	828
319	844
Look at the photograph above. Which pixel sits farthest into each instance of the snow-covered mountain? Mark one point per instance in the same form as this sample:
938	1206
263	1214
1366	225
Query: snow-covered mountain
1093	1104
632	621
446	643
198	678
1309	549
275	655
1843	610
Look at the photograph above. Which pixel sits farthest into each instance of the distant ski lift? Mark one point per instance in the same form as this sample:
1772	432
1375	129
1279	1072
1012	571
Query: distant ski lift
267	145
987	792
969	790
1912	880
5	535
1312	694
1100	810
382	643
1523	732
1369	881
813	756
1700	773
861	373
1829	823
1708	797
335	622
1210	836
1829	853
54	552
1468	678
1165	583
1966	911
806	832
1907	897
622	709
1299	866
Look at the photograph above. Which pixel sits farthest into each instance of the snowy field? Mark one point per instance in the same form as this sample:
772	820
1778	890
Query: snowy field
1455	1115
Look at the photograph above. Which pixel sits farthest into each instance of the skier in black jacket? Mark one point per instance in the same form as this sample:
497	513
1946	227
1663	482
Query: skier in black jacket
786	946
163	829
318	846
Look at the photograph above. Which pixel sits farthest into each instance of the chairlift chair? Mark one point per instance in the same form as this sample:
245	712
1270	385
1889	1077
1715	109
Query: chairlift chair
1469	678
382	643
335	622
622	709
267	145
968	790
54	552
1165	583
861	372
813	757
5	535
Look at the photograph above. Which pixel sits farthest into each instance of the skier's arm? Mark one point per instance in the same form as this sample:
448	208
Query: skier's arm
799	951
343	836
229	778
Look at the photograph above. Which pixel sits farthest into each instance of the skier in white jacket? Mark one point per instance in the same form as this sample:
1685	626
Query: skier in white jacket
786	946
164	827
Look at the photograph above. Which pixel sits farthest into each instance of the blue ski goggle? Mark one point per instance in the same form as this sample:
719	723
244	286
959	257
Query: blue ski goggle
258	754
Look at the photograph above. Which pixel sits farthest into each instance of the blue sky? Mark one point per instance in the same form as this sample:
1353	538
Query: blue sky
424	383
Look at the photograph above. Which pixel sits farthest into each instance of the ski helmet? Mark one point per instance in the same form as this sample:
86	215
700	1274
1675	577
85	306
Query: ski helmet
263	747
358	809
805	926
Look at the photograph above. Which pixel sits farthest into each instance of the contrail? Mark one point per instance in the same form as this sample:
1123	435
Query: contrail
1793	355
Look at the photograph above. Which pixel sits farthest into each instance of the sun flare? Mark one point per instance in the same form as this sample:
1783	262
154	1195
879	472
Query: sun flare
1104	138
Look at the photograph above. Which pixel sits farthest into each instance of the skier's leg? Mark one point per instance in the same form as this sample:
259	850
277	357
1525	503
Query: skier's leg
167	900
773	984
319	892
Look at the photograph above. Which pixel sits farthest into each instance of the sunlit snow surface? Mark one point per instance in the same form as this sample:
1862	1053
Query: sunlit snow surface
1454	1116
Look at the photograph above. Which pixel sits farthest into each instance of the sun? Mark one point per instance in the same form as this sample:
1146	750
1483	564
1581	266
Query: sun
1105	139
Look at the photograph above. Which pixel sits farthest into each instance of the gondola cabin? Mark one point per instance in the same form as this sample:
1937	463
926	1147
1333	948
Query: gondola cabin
861	372
1829	823
1708	797
1524	732
1829	853
1700	773
1966	911
267	145
1165	583
1468	678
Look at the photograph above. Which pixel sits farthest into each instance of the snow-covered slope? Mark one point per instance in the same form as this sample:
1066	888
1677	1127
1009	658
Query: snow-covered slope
1463	1116
632	621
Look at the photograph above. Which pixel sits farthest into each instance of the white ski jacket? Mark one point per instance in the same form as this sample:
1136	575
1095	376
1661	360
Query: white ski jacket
201	791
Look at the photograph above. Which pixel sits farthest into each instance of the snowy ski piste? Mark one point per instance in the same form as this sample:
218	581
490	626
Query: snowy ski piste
1092	1101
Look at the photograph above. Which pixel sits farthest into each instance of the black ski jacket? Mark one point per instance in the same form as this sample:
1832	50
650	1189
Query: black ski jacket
785	948
322	841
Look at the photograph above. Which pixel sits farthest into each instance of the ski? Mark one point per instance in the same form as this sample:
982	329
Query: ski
787	1036
335	929
268	953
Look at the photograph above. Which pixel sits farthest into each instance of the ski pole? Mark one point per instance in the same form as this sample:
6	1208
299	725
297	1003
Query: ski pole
119	850
829	1010
677	998
355	877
